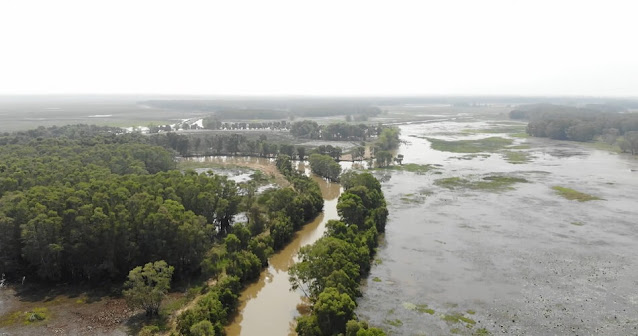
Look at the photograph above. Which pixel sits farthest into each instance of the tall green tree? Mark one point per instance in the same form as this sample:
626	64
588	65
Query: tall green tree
148	285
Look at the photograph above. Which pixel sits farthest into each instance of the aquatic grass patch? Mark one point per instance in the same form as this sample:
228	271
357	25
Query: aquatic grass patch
394	323
473	156
376	279
412	167
574	195
421	308
521	135
517	157
518	147
415	198
491	144
492	183
499	129
457	318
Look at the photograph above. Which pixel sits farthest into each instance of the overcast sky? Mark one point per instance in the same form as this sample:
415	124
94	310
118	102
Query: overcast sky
319	47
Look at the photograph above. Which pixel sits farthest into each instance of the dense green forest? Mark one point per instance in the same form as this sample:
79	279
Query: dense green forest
85	204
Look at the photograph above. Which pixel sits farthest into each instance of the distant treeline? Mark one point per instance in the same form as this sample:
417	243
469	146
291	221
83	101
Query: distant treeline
581	124
337	131
214	123
270	109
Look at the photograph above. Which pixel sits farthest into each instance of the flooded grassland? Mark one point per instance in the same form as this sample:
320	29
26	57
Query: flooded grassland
522	237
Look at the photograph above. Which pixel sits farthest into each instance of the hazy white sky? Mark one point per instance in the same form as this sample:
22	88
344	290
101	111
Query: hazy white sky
319	47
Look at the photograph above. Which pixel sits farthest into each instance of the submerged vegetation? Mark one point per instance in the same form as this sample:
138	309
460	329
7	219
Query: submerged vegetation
572	194
491	144
517	157
418	169
494	183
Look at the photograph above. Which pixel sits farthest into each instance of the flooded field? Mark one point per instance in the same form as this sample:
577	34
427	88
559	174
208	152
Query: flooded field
461	256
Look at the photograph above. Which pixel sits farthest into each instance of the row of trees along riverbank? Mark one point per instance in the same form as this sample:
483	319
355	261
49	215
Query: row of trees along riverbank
331	270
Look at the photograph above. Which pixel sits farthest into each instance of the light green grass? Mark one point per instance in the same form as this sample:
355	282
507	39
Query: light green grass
412	167
492	183
517	157
457	318
491	144
574	195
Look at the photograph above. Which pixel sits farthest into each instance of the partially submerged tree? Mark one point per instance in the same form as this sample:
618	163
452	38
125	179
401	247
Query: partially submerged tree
148	285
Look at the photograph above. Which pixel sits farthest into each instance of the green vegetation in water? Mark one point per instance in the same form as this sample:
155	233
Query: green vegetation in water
491	144
376	279
519	147
421	308
415	198
500	129
473	156
457	318
394	323
493	183
471	312
602	145
572	194
413	168
521	135
378	261
482	332
577	223
517	157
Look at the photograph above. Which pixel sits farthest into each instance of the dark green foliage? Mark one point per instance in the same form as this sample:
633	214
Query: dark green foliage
148	285
325	166
333	310
83	203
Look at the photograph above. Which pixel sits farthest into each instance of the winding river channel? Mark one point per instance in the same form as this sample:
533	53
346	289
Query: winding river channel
268	306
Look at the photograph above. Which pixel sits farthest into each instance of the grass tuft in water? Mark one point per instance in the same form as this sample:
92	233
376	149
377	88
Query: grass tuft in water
517	157
376	279
572	194
418	169
394	323
457	318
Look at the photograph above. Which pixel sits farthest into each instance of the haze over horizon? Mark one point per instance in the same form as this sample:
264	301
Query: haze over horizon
293	48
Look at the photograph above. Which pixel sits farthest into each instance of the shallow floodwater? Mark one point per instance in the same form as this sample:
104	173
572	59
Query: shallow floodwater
519	262
268	307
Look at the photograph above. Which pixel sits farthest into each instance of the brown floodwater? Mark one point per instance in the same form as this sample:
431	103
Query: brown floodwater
268	306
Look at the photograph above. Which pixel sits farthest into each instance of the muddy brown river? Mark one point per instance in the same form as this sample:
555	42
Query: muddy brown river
268	307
